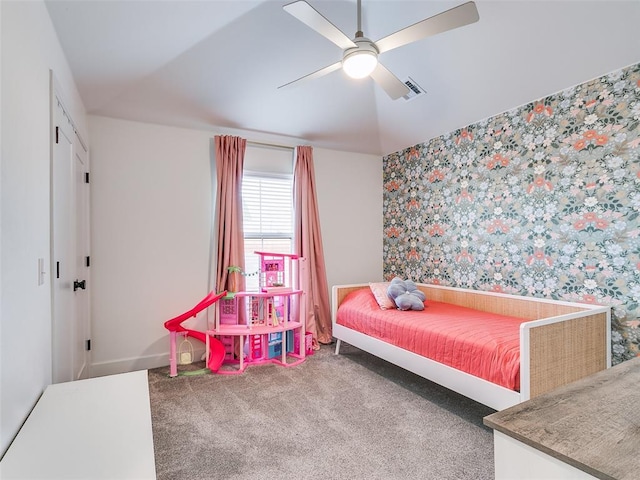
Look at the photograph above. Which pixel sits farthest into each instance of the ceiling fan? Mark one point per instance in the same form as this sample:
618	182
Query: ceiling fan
360	55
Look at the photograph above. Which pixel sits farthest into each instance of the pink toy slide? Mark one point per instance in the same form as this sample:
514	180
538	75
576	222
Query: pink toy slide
175	326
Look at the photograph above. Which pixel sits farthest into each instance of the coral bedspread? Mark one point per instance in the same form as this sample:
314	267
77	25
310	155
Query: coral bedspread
483	344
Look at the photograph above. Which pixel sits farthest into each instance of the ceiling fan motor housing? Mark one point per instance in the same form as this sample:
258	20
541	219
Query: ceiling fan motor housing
361	60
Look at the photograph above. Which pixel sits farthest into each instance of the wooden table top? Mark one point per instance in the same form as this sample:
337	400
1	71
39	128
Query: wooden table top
592	424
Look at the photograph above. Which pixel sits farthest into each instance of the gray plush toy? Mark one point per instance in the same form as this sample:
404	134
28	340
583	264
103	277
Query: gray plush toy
406	295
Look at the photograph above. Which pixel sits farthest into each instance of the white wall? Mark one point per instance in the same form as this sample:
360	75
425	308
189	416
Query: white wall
30	48
151	204
350	203
152	196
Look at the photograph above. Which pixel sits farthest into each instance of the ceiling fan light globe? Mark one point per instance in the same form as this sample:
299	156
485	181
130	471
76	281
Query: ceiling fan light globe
359	64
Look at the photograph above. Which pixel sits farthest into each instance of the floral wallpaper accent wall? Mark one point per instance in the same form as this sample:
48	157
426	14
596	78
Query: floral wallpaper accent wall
543	200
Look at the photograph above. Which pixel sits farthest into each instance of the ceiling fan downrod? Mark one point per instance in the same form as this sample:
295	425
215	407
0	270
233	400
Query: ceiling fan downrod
359	20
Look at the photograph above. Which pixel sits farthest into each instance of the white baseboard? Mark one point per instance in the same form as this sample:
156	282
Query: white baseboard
140	363
84	372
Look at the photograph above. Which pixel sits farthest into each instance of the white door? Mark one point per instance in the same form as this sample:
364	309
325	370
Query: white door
69	249
83	259
63	247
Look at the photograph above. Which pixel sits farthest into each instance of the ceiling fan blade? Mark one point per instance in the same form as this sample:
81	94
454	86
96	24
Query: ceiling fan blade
314	19
459	16
391	84
316	74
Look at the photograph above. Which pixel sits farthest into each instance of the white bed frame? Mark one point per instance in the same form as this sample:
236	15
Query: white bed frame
561	342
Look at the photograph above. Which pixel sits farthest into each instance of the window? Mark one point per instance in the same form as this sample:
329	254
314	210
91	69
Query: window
267	208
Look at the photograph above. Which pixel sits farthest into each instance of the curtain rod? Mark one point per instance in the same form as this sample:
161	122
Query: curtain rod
270	145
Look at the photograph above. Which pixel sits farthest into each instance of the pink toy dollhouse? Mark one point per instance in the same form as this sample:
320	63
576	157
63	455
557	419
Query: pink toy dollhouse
265	325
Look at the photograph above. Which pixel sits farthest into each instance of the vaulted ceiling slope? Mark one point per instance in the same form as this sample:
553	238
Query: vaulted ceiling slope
218	64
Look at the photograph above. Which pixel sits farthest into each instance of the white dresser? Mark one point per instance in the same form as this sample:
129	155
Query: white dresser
584	430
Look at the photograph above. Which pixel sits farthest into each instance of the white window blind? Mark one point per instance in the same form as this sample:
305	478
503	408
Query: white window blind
267	209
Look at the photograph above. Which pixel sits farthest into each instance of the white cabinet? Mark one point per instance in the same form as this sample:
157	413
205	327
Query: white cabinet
516	461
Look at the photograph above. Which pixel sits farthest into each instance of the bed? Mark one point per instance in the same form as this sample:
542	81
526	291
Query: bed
542	343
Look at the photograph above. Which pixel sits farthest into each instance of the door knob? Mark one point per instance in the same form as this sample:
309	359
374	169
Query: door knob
78	284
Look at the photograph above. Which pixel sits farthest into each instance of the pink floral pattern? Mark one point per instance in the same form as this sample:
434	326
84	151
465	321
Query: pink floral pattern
543	200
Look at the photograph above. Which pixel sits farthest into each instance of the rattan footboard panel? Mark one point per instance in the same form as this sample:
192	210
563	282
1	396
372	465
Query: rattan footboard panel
566	351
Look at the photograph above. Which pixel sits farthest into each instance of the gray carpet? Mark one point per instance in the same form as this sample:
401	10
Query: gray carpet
350	416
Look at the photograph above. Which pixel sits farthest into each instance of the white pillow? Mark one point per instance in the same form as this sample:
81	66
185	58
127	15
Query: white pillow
379	291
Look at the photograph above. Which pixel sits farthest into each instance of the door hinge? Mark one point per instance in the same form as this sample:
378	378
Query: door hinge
57	133
88	345
87	261
86	177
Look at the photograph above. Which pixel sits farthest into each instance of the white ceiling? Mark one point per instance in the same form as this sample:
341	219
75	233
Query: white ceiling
217	64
